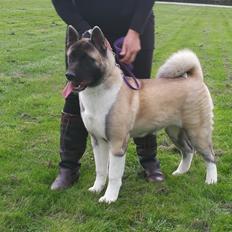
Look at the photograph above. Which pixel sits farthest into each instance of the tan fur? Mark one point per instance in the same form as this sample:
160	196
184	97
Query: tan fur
161	103
177	100
179	63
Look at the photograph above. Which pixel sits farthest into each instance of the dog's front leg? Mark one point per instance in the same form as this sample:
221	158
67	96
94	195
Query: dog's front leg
101	157
116	169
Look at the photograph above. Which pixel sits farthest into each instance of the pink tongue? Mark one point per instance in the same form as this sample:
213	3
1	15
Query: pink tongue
68	89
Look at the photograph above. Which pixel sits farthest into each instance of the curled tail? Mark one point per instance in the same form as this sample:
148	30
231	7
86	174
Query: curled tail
183	63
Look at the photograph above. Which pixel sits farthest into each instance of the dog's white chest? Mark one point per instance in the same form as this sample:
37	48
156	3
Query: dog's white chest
95	123
96	104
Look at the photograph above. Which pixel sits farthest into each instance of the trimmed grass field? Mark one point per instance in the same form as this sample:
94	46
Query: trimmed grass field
31	80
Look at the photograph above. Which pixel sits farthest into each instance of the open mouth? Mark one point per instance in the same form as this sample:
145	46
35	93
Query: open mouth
80	87
76	88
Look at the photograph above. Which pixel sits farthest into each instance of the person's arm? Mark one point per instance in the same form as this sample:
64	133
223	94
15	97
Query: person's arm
142	12
70	14
131	45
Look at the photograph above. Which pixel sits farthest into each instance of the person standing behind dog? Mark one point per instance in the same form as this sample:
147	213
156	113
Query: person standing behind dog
134	20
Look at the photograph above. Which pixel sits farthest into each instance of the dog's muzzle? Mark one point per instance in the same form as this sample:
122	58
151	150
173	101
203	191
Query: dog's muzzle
77	86
70	76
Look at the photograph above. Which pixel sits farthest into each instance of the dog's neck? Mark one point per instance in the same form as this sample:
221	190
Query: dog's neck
110	62
113	72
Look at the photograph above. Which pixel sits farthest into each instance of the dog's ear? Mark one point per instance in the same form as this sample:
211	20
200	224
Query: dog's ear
98	39
72	36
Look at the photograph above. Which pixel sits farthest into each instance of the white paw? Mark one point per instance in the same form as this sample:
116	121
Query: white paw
211	180
177	172
96	189
211	175
107	199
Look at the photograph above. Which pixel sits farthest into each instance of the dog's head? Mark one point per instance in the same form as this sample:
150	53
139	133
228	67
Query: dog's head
86	58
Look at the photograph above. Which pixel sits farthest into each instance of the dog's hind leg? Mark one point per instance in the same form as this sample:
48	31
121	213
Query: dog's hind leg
180	139
201	139
101	157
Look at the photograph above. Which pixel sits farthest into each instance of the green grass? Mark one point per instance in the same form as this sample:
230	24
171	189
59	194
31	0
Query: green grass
31	80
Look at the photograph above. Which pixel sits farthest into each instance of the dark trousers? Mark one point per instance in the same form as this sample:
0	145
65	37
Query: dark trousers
142	69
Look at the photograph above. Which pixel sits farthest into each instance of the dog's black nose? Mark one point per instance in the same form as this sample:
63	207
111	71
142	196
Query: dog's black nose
70	76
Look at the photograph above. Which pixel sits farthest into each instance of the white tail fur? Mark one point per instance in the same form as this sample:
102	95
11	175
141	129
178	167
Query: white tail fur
179	64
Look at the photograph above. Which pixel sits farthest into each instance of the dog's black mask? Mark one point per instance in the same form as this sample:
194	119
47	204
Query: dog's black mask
85	58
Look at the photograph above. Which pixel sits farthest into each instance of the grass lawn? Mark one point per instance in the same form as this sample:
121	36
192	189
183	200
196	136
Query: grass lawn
31	80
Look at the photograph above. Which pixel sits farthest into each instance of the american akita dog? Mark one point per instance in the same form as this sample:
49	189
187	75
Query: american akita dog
177	100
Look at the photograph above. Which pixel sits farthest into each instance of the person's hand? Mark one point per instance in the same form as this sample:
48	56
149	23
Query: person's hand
131	46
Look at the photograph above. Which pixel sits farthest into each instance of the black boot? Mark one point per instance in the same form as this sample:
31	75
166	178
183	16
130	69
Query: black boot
73	139
146	148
